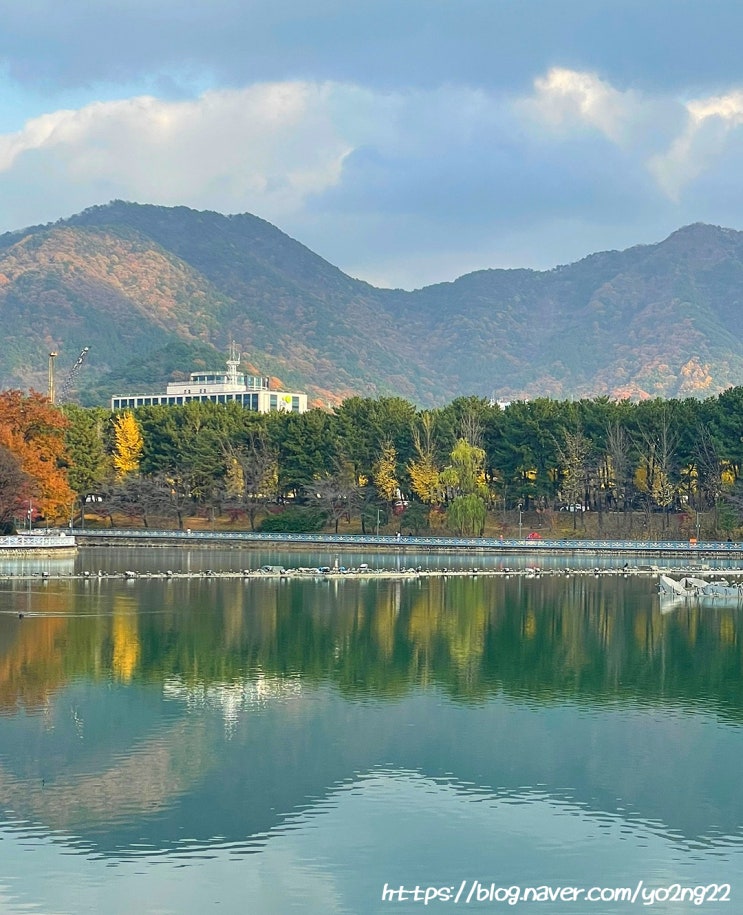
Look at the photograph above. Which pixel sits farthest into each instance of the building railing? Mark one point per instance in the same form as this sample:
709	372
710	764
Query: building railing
38	541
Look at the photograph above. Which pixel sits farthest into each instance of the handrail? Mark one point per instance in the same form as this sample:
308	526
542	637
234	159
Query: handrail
472	543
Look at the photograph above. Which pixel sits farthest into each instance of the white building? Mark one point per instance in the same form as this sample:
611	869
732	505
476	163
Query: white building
251	391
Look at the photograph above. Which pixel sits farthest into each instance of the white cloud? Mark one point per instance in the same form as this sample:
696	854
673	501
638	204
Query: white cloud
710	123
676	142
264	148
267	149
411	185
569	98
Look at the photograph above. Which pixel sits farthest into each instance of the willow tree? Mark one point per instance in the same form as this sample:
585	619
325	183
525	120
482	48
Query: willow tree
464	480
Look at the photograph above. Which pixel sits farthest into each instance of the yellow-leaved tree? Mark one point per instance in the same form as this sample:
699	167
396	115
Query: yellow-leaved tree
128	444
385	473
425	477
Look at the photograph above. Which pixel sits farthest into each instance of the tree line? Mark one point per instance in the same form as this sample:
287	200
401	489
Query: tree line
374	462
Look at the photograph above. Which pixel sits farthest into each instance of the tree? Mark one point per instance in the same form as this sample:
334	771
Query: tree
85	440
425	477
142	498
253	472
617	465
465	475
16	488
464	479
364	424
657	443
573	451
466	515
709	467
525	452
136	497
129	444
306	445
337	494
33	431
384	472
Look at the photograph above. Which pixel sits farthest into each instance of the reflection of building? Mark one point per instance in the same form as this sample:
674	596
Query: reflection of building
251	391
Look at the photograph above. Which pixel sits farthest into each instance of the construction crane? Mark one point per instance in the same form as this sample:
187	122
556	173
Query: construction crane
64	389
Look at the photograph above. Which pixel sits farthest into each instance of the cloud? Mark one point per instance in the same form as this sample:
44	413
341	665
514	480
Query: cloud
379	182
711	124
675	141
381	43
401	185
271	148
568	99
266	147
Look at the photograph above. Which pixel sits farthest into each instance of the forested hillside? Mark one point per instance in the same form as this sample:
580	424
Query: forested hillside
157	291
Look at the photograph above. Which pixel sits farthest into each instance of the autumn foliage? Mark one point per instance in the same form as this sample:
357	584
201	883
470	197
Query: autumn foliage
129	444
32	430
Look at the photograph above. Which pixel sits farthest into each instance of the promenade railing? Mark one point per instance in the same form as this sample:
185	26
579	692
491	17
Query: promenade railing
413	543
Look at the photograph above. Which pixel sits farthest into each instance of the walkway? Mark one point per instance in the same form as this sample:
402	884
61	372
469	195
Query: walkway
370	542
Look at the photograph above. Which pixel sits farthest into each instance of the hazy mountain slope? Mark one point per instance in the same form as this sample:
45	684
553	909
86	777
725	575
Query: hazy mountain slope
297	315
144	286
64	288
659	320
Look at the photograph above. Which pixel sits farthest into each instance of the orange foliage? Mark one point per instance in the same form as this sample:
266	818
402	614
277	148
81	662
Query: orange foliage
33	430
32	664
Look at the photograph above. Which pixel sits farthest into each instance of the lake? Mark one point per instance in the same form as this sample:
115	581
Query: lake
364	746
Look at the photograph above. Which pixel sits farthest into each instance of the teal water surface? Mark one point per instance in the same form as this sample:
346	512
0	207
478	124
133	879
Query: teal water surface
274	746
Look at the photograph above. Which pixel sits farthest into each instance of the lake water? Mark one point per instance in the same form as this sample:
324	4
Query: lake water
187	746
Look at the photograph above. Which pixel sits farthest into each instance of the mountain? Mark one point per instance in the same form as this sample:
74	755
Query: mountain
157	292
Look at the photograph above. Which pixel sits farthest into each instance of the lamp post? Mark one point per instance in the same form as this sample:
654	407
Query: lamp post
378	513
521	506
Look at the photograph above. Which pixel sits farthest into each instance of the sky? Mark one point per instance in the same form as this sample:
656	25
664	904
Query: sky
405	141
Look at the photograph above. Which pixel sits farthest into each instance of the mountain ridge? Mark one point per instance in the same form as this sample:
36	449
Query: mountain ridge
133	280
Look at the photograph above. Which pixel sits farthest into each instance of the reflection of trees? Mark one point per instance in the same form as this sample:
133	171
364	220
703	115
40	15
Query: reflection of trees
125	638
31	664
547	638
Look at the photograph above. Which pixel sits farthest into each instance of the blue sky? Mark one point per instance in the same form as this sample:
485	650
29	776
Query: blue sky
407	142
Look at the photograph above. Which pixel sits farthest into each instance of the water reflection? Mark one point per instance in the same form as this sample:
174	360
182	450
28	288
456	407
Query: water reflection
187	559
461	721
